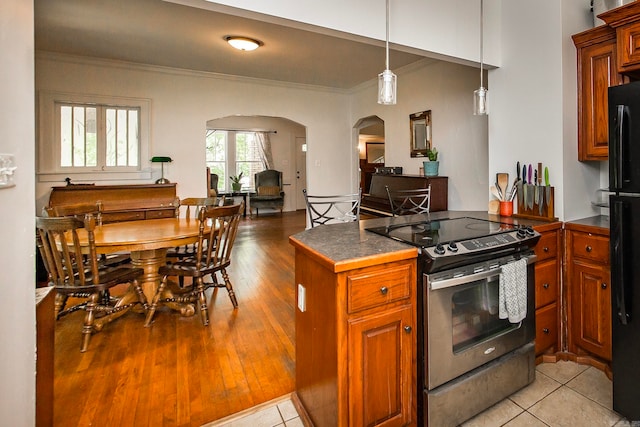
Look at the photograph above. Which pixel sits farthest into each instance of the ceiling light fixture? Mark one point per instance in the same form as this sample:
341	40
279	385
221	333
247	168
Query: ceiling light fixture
387	81
480	107
243	43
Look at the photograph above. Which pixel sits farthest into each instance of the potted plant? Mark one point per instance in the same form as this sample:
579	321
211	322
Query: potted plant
431	167
236	185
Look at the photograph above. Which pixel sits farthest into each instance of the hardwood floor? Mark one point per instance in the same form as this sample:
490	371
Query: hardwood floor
178	372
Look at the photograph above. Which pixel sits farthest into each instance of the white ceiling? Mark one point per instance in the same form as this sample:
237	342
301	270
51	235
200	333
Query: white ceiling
173	35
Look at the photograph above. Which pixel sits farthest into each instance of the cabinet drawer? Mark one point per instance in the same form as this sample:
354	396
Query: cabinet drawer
122	216
547	246
546	282
590	246
164	213
546	328
376	288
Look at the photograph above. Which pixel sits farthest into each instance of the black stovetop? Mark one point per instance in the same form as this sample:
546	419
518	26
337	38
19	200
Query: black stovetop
430	233
459	241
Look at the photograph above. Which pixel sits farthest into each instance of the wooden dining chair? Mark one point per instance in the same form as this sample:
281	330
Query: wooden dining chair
218	228
409	202
76	275
79	210
332	209
191	207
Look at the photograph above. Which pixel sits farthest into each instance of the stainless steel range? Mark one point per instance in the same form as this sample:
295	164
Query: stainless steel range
469	356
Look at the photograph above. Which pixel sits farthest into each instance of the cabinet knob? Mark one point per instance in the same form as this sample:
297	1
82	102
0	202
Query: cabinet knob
546	330
546	286
545	249
603	286
588	248
407	329
384	290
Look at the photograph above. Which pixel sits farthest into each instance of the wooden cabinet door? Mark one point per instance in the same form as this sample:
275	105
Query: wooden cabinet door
591	309
628	37
596	72
380	366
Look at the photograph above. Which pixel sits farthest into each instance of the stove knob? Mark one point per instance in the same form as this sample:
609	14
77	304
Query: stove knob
453	247
521	233
439	249
530	231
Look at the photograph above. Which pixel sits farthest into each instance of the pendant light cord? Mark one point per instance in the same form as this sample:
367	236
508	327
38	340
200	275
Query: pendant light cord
481	44
387	44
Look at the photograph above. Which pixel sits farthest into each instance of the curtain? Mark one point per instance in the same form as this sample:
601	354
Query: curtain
264	149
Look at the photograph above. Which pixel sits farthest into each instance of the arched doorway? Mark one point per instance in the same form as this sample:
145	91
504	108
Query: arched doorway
287	140
371	148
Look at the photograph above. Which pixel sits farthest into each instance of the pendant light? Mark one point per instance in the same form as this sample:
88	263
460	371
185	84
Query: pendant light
387	81
480	107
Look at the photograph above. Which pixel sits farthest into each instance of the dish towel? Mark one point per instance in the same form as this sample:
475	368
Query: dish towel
512	296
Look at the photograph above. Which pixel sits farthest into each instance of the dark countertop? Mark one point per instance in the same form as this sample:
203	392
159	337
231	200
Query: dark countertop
341	246
599	222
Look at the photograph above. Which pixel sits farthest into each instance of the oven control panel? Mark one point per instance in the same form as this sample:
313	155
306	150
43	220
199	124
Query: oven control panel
516	237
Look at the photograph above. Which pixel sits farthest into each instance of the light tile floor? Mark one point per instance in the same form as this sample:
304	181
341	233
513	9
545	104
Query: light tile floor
278	412
564	394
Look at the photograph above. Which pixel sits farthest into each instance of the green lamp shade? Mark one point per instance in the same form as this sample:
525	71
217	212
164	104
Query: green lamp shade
161	159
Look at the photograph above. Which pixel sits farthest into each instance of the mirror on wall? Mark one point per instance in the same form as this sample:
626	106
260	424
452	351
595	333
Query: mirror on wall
420	124
375	152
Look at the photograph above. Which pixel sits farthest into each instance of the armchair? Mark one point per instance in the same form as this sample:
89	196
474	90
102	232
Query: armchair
268	193
212	184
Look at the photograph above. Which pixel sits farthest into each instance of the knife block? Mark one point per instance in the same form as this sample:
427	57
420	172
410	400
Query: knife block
534	212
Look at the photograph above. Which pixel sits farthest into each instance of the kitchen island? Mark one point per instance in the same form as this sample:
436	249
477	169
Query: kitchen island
356	331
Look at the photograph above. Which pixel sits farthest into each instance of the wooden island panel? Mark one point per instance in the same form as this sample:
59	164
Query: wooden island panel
355	339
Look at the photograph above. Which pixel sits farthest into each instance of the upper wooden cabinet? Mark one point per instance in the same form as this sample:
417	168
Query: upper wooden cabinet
608	55
596	51
626	21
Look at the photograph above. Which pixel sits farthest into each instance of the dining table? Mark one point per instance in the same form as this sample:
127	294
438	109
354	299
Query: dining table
147	241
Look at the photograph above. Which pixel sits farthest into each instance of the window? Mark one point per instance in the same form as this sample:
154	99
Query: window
93	137
102	136
216	149
232	152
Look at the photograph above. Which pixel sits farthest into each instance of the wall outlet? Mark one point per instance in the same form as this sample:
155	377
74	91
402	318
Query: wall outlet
302	298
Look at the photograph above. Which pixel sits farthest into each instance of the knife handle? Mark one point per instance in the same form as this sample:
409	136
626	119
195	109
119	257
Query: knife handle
539	173
546	176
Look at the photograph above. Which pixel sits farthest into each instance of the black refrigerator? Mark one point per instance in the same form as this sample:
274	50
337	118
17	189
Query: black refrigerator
624	218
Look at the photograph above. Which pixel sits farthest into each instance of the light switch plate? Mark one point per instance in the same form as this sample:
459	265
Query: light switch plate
302	298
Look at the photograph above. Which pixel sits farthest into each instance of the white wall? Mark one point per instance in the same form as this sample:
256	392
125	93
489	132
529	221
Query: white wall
532	96
440	29
581	179
533	100
17	317
525	96
183	102
460	137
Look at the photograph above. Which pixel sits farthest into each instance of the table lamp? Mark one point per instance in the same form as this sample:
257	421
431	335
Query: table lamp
162	160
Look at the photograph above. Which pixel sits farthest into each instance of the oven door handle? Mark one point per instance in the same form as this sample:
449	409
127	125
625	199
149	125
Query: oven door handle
460	280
